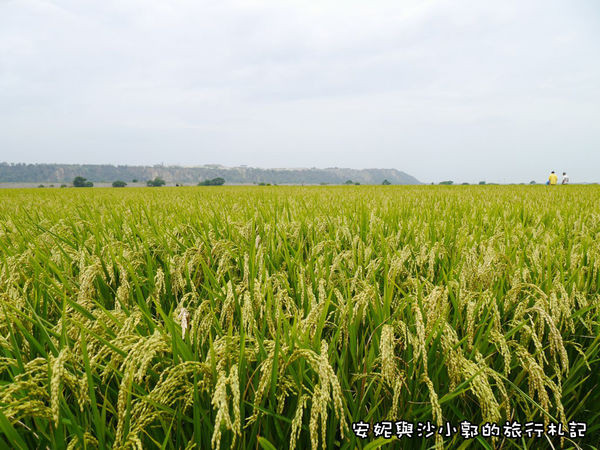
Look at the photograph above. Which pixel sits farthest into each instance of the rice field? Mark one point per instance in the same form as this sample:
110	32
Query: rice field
294	317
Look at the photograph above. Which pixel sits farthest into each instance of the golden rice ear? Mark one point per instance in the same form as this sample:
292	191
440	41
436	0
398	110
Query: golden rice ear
58	372
386	352
297	421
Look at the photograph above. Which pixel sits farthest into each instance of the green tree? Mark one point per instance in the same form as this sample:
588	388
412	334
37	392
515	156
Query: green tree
82	182
214	182
349	182
386	182
532	182
448	182
119	183
157	182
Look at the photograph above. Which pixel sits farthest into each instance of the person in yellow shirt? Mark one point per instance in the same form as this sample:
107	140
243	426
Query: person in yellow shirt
552	179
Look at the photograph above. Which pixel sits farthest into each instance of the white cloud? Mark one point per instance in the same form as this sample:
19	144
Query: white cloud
480	90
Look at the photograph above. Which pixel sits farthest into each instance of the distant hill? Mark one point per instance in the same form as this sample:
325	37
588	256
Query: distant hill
64	173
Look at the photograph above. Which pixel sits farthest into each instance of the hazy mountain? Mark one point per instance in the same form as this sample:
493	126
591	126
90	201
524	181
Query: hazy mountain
64	173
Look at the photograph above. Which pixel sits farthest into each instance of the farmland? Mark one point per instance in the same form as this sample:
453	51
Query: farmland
249	316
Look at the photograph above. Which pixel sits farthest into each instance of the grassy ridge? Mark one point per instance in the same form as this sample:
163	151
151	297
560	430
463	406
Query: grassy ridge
143	317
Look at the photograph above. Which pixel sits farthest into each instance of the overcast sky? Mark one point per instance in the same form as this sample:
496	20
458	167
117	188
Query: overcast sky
466	90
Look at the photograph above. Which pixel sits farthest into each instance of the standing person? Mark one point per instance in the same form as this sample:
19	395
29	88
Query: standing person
565	179
552	179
